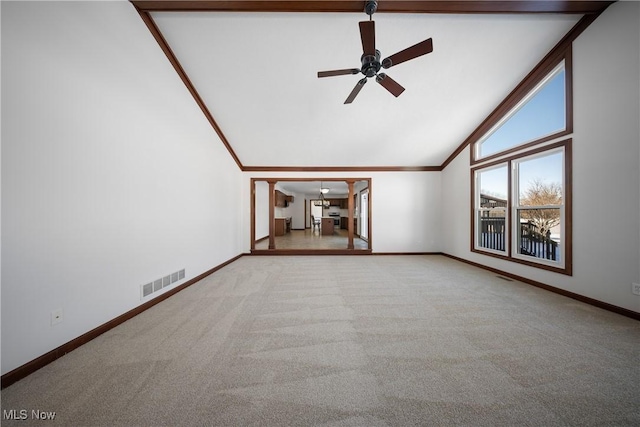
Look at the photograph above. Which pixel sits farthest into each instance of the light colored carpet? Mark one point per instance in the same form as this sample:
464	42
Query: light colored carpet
349	341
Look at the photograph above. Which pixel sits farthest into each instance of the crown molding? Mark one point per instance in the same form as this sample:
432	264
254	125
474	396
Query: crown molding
397	6
341	169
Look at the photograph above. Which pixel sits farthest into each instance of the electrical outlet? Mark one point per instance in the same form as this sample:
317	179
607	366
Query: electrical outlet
56	316
635	288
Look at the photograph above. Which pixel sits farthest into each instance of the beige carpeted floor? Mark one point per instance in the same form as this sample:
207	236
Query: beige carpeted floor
349	341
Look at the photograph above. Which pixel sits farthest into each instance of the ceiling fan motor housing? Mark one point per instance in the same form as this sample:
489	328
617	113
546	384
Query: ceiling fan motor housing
370	7
370	64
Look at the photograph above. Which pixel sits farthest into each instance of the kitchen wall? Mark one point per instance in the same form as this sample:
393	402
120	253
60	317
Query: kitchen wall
278	211
606	169
298	217
295	210
111	176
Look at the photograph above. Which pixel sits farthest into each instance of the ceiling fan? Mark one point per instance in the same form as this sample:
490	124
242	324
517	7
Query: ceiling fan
370	58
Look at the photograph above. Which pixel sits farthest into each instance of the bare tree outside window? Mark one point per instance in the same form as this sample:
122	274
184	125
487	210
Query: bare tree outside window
541	193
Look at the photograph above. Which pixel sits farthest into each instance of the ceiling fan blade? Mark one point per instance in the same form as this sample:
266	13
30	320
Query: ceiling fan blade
390	84
355	91
368	36
414	51
338	72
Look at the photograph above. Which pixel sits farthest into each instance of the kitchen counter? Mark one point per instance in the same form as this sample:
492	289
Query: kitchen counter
327	226
283	226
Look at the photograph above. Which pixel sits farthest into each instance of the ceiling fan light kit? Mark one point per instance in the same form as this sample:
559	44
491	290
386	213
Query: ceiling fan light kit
370	59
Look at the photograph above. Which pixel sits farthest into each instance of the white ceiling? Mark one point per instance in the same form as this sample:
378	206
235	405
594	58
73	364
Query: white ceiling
257	74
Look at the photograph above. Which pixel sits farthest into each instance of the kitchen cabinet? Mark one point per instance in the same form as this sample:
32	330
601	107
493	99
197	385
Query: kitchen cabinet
341	203
283	226
282	200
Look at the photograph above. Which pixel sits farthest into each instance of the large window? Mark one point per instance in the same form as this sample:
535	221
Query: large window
541	114
521	179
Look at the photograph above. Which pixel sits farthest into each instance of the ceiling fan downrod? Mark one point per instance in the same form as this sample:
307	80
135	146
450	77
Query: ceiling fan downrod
370	7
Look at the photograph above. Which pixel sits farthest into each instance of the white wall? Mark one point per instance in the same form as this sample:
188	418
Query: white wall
262	209
606	165
296	210
405	212
111	176
405	208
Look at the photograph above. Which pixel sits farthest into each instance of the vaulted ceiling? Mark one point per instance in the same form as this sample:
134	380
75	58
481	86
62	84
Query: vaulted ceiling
252	67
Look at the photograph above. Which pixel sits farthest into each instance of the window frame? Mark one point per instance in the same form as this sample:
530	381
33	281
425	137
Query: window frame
516	206
475	201
517	99
511	235
561	53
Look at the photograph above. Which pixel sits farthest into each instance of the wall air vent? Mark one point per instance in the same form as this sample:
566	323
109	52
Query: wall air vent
147	289
158	284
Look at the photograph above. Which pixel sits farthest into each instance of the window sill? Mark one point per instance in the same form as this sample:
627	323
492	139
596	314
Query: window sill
566	269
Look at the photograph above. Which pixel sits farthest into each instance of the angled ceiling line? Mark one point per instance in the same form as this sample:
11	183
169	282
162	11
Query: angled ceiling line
530	80
164	45
590	9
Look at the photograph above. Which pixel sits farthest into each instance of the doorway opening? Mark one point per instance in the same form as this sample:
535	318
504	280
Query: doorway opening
309	216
